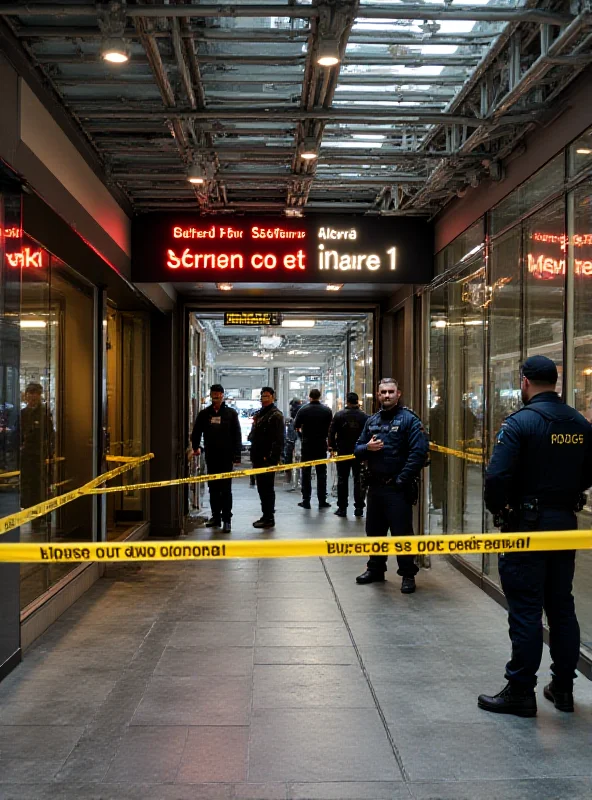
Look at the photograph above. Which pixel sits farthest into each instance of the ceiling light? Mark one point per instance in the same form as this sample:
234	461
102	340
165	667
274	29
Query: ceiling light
334	287
298	353
115	50
584	151
588	371
309	149
440	323
328	53
293	212
298	323
224	287
195	174
271	342
33	323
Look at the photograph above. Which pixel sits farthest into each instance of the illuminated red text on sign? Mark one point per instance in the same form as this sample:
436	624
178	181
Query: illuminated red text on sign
27	258
11	233
545	268
226	232
190	259
577	240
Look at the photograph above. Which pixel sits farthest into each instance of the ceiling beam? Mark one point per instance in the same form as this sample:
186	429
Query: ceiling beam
410	11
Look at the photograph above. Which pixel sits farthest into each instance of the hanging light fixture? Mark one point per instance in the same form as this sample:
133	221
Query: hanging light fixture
115	50
328	52
195	175
309	149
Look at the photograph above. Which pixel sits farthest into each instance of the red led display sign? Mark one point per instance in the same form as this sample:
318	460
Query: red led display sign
309	250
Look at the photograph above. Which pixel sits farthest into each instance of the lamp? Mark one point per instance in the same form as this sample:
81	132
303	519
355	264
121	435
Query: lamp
115	50
328	52
308	149
195	174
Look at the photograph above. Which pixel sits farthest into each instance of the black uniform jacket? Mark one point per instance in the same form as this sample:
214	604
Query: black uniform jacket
221	434
313	421
346	428
405	444
543	452
267	436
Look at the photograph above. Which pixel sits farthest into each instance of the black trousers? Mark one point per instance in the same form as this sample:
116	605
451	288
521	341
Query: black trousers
321	480
221	492
389	510
533	582
266	489
343	470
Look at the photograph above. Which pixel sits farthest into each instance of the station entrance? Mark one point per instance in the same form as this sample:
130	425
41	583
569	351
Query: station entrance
333	352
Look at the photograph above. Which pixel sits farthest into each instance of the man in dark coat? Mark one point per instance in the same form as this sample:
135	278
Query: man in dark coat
267	443
219	426
346	428
37	448
312	422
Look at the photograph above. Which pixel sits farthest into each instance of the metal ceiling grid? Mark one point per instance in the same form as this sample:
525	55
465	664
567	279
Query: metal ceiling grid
427	99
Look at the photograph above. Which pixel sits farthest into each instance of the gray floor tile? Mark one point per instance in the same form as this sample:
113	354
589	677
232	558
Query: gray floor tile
305	655
260	791
377	790
316	590
28	770
193	661
215	755
207	700
541	789
305	635
213	634
45	742
310	686
327	745
150	755
297	609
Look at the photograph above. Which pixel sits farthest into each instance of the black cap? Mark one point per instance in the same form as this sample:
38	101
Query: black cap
540	369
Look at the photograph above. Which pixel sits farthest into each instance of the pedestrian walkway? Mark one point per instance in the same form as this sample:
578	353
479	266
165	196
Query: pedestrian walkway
280	679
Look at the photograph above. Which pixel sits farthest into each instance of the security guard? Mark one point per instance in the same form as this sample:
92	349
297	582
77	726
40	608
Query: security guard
220	428
395	445
541	465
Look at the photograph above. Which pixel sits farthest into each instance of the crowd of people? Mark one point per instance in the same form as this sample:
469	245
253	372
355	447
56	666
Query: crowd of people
539	471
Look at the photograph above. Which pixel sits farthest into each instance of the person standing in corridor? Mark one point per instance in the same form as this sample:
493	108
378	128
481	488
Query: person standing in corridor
346	428
395	445
267	444
540	467
312	422
219	426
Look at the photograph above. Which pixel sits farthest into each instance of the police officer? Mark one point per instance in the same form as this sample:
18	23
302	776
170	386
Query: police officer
346	428
267	443
312	422
541	465
220	428
395	445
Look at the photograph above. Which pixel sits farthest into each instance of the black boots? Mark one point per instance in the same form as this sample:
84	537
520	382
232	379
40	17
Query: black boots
408	585
226	527
213	522
562	698
305	504
341	512
370	577
512	699
265	522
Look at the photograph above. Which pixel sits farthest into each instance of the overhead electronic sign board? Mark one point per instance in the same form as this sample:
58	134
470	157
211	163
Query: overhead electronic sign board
252	318
329	249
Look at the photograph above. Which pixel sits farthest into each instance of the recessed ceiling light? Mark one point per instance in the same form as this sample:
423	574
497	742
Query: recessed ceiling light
298	323
334	287
195	174
224	287
33	323
115	50
584	151
309	149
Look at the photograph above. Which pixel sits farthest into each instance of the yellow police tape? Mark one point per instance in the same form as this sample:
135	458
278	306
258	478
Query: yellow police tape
212	550
218	476
21	517
472	457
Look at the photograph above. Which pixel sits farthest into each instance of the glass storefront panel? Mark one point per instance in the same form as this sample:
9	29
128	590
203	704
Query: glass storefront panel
56	403
361	348
544	284
436	404
580	153
463	248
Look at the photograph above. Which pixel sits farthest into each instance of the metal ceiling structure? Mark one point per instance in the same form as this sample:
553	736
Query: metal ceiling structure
427	99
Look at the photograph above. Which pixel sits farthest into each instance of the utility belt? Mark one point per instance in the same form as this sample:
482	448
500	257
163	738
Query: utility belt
374	480
529	510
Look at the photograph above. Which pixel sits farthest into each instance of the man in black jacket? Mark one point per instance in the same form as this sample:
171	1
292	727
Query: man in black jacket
346	428
220	428
541	465
312	422
267	443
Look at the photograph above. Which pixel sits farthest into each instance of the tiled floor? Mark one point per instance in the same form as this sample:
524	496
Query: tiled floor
280	679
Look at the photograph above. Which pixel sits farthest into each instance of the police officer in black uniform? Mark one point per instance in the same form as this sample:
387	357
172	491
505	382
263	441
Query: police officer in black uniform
541	465
395	445
346	428
220	428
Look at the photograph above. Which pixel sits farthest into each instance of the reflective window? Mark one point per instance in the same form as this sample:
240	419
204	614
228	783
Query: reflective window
535	190
464	248
580	153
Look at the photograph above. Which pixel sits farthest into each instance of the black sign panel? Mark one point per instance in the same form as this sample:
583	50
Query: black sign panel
330	249
252	318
